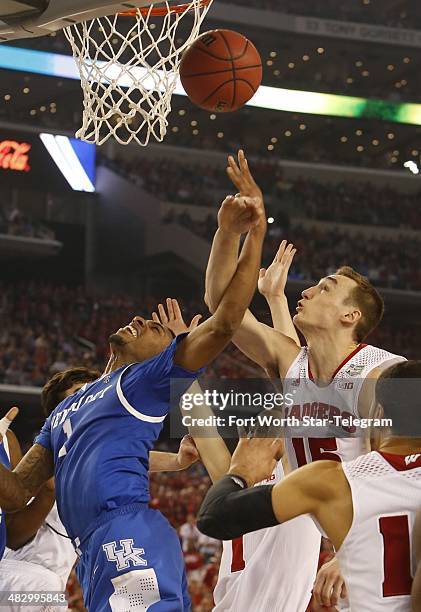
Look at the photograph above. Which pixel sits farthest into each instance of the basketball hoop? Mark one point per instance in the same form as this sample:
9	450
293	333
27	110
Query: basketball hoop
129	67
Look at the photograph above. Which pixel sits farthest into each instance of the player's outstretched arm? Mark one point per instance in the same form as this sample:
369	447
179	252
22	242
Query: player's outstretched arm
204	343
263	345
174	462
18	486
271	285
231	509
22	526
209	445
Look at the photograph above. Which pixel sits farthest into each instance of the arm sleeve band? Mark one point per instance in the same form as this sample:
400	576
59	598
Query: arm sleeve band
228	511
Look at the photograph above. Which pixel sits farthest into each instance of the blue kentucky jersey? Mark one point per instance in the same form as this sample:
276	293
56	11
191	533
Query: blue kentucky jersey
4	459
101	437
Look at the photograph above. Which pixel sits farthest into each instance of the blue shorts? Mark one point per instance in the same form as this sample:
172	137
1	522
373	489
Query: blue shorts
133	562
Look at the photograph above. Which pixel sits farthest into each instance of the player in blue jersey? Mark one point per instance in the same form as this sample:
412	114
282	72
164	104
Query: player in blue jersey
97	444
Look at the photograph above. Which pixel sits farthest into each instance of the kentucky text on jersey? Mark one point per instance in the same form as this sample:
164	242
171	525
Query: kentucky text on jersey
102	435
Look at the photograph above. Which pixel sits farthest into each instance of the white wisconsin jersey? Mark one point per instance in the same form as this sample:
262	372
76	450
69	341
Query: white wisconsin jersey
270	570
375	557
335	402
48	549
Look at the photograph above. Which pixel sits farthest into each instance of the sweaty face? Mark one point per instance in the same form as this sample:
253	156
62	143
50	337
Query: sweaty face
142	338
325	305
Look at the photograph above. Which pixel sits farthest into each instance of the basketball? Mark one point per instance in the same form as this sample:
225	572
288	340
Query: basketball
221	71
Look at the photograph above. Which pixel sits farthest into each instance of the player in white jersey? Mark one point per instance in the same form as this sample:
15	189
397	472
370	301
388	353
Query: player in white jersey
367	507
243	581
334	316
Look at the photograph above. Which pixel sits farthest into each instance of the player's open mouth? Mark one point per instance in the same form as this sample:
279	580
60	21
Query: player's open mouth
299	307
132	329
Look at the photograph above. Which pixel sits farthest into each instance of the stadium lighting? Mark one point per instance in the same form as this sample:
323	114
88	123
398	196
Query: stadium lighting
412	167
271	220
272	98
62	152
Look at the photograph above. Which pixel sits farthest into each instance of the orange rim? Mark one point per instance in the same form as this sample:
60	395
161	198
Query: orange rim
163	10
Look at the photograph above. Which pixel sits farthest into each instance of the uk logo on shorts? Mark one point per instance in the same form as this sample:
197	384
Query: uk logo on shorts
125	555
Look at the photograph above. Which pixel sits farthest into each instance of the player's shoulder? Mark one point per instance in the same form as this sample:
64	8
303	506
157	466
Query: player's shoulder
369	361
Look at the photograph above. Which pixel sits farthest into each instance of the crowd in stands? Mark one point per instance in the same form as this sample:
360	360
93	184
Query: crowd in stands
397	15
14	222
201	184
321	250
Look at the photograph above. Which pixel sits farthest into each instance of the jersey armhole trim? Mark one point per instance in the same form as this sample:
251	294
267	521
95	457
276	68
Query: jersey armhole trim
129	407
294	363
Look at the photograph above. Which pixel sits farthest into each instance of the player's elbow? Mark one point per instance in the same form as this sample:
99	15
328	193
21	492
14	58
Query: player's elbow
210	303
228	318
211	525
16	499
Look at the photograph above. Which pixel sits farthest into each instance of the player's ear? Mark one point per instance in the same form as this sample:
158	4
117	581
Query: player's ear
351	316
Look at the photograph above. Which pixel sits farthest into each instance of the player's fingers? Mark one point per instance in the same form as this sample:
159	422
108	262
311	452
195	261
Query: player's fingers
344	591
233	165
176	309
195	322
336	591
162	314
317	589
155	318
170	309
286	255
228	200
280	251
6	421
262	272
327	590
234	178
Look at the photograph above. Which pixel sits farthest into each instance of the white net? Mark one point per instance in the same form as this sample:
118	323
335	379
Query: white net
129	67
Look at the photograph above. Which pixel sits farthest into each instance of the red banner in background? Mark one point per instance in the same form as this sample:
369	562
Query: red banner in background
15	155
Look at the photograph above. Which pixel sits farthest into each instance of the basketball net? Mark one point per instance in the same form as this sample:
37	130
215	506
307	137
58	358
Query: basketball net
129	67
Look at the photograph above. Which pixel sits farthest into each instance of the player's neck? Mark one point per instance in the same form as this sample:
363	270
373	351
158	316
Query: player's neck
401	446
116	362
326	353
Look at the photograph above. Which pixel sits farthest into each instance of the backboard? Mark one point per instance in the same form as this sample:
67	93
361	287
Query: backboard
32	18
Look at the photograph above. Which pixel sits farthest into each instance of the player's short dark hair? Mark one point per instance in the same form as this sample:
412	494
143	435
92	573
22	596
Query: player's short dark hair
53	391
367	299
398	390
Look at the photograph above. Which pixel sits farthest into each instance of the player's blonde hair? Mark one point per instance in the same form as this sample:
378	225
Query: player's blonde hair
367	299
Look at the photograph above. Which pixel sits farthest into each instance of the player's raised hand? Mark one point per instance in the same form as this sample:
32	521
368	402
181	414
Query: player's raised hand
7	420
329	587
187	453
173	318
239	173
254	459
272	280
238	215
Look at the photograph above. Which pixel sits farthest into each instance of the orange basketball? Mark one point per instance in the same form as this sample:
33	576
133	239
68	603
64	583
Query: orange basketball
221	71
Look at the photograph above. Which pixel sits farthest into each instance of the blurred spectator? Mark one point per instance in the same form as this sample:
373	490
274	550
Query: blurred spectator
15	223
189	533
